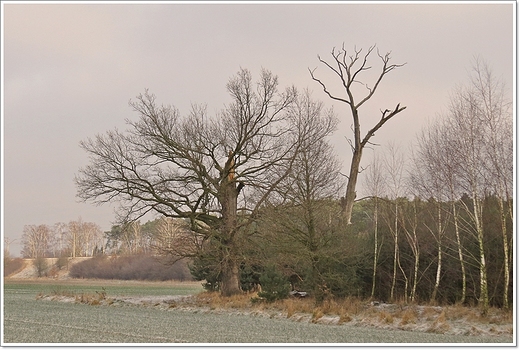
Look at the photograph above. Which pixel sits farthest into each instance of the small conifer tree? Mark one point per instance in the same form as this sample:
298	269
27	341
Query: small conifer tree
274	285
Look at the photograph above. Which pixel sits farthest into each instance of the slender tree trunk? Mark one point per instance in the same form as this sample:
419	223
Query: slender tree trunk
439	253
438	273
406	281
318	290
483	299
505	241
416	253
415	274
375	250
396	255
459	248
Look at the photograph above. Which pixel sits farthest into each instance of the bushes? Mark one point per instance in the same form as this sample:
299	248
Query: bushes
41	265
205	268
274	285
135	267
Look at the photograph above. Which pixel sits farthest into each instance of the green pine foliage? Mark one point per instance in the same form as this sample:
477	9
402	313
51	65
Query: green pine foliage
275	285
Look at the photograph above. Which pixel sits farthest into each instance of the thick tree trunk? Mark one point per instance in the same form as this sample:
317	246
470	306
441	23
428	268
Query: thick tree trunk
350	195
230	277
229	265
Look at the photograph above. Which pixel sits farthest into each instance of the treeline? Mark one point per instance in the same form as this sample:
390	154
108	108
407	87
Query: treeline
369	258
74	239
84	239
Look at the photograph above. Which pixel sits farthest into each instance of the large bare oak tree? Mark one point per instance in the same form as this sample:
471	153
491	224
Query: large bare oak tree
214	172
348	69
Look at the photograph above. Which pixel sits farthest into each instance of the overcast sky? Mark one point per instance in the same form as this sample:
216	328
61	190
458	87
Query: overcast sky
69	71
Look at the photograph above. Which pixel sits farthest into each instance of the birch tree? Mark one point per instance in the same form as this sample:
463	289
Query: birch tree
494	109
375	183
394	167
434	175
465	123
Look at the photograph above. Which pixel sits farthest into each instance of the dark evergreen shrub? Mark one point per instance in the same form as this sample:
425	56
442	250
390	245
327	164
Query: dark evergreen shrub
275	286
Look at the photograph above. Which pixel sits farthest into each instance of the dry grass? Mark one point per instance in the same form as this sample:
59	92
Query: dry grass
408	316
97	298
456	319
215	300
386	317
429	313
344	318
351	308
440	325
317	313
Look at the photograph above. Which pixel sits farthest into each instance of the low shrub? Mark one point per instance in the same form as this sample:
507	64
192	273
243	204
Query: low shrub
42	267
135	267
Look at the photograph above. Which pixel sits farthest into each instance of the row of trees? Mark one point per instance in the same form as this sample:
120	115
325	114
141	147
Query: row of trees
84	239
74	239
436	226
470	151
259	182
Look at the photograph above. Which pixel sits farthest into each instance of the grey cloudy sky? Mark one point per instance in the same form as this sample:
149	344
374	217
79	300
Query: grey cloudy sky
69	71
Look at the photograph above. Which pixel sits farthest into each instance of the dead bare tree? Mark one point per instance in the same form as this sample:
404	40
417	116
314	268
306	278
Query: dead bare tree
348	68
195	167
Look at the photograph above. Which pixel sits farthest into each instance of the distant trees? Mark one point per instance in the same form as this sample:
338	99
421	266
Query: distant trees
77	238
348	69
36	241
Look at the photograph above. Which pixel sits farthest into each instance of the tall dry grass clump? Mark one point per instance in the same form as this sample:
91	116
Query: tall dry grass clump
317	313
214	300
439	325
409	316
429	313
386	317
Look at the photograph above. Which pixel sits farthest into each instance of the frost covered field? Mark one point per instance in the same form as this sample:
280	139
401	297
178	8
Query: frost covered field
28	320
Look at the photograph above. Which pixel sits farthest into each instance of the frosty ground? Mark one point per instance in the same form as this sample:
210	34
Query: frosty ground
133	312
